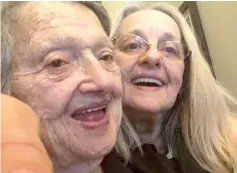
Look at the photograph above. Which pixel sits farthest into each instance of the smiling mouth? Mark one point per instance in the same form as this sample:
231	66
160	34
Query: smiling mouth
92	117
147	82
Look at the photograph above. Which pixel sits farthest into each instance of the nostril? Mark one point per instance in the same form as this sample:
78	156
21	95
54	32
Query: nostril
145	62
150	61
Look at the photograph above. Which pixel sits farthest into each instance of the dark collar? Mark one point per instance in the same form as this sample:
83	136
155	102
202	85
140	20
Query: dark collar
153	162
113	164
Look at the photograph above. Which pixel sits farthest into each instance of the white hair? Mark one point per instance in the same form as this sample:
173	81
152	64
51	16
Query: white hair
7	43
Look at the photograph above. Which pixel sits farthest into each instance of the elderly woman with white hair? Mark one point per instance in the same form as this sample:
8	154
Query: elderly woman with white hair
58	60
170	95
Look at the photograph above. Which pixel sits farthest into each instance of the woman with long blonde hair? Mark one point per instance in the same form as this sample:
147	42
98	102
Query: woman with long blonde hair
170	94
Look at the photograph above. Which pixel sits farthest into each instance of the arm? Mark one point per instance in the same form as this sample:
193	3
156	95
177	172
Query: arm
22	149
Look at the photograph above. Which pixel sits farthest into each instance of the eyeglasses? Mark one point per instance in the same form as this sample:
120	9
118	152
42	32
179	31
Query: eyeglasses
135	45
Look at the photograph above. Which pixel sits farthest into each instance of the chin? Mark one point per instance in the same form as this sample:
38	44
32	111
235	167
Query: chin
99	144
69	146
100	151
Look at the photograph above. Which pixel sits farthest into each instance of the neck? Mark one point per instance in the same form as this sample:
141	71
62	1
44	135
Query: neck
81	167
148	127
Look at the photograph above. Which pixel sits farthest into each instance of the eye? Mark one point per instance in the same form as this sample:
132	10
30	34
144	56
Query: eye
59	66
133	46
170	50
57	63
107	57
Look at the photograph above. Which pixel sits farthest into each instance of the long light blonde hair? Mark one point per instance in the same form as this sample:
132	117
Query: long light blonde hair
202	106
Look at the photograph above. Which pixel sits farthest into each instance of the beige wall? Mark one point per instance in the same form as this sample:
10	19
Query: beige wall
219	20
174	3
113	6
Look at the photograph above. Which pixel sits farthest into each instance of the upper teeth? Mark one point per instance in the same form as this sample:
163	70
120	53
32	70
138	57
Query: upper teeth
147	80
93	109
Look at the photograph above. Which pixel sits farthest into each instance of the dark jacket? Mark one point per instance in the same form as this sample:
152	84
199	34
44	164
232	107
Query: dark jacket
148	162
152	162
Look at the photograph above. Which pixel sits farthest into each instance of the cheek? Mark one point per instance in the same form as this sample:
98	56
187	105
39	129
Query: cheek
46	98
121	60
126	65
175	75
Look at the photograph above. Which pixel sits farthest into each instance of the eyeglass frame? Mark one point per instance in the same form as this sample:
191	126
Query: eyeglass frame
187	52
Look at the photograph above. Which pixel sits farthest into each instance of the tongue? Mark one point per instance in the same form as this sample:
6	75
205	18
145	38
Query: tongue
89	116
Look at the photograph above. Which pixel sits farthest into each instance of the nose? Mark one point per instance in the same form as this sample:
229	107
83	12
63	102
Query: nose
97	79
151	58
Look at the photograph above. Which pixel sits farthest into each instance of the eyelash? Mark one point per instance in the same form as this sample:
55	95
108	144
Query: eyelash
105	57
105	53
59	60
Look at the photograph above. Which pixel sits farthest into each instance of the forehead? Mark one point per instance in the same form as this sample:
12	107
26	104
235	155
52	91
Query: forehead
42	27
151	22
39	16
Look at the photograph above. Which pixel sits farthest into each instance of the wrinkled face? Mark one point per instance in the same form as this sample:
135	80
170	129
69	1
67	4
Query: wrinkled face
63	68
152	75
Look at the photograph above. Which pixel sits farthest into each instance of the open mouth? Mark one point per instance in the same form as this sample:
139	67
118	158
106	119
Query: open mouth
147	82
91	117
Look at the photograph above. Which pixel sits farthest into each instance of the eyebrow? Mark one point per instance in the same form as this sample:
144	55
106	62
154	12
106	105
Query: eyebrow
103	42
140	33
56	43
167	36
51	44
99	42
